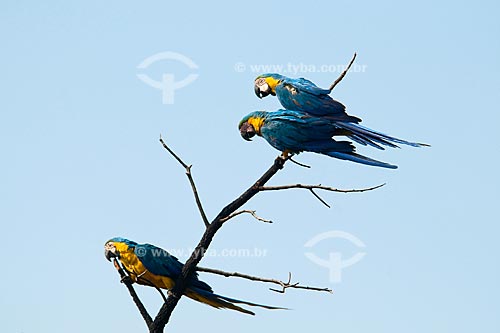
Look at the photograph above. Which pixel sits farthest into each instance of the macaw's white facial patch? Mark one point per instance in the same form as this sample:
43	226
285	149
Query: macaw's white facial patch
260	82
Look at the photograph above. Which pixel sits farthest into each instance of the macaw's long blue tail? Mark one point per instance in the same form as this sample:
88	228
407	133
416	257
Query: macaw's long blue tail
218	301
360	159
366	136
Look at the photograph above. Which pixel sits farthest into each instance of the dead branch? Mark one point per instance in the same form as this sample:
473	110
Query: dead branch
311	188
284	285
189	267
251	212
191	181
319	187
342	74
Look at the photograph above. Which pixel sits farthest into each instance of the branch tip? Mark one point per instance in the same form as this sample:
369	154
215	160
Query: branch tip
337	81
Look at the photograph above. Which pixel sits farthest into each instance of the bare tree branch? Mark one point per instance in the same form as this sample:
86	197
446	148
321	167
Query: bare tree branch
319	187
342	74
284	285
311	188
189	267
251	212
127	281
191	181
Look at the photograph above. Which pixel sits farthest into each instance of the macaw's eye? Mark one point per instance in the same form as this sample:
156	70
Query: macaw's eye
247	131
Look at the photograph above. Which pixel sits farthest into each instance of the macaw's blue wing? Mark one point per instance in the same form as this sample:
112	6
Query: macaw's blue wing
303	95
295	132
160	262
307	86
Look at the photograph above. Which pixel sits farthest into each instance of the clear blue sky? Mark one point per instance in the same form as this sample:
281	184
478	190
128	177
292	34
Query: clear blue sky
81	162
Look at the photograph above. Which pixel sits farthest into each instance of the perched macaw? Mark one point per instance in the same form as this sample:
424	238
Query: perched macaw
152	266
301	95
294	132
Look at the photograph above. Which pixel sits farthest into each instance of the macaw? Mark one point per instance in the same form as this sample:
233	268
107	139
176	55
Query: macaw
152	266
294	132
301	95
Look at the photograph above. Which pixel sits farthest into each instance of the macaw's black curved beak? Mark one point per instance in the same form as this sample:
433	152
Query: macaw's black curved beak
110	252
257	91
263	90
247	131
109	255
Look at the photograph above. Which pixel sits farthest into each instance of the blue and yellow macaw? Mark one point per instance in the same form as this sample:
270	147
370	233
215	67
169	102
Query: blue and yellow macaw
152	266
301	95
294	132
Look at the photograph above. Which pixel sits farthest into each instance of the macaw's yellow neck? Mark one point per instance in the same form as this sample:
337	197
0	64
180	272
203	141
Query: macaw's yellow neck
256	122
272	83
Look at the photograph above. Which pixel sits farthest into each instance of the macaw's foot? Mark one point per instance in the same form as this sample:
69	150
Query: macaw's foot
285	154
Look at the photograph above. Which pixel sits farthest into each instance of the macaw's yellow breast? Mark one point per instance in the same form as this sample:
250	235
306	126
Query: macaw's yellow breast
129	259
257	123
272	82
138	272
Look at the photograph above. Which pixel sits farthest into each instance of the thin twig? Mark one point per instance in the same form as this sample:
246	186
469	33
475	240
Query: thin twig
284	285
319	198
127	281
191	181
342	74
300	164
251	212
